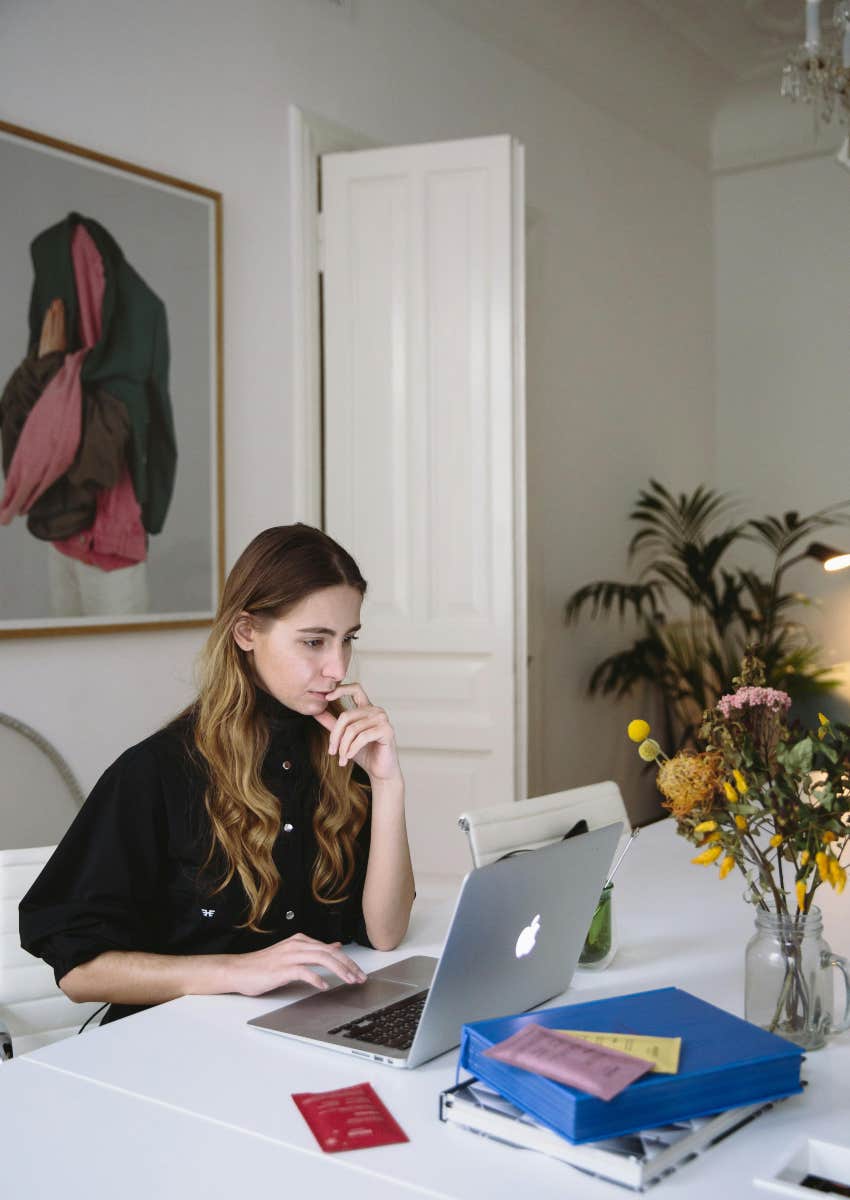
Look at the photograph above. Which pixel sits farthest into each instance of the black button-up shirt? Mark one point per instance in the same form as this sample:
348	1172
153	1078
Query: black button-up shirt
128	873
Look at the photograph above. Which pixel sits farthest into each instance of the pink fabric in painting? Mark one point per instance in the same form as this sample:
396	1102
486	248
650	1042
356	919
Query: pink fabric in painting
51	433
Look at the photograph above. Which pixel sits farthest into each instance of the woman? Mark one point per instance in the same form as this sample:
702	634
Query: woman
237	849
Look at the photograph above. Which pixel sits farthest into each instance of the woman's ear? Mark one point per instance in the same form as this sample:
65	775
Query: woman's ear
243	631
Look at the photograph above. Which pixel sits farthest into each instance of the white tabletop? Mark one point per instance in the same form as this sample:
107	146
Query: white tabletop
193	1065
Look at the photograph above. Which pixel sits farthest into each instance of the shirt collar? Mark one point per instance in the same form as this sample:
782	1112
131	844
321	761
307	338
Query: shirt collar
280	718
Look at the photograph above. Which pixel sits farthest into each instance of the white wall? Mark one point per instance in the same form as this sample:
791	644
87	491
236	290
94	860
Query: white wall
783	357
620	318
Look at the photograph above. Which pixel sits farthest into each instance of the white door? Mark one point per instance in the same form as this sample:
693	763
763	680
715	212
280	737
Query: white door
425	460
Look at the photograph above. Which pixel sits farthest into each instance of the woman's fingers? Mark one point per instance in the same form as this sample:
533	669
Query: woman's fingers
352	730
308	950
344	720
308	976
354	690
356	719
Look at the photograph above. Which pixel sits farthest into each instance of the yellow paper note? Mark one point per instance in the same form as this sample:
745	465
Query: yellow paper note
662	1052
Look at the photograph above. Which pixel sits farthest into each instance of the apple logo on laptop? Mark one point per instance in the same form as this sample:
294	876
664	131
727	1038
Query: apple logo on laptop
525	941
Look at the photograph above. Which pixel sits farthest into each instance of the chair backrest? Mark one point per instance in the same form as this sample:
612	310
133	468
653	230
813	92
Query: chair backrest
39	796
32	1008
529	824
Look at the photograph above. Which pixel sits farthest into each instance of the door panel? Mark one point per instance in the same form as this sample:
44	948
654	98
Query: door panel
424	460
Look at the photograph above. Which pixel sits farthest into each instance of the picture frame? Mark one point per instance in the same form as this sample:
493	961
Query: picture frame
128	401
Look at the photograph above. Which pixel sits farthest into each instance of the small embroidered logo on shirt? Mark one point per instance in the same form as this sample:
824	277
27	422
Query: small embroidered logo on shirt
207	912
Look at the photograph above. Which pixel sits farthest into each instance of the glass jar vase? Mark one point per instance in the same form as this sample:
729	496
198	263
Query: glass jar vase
789	980
600	945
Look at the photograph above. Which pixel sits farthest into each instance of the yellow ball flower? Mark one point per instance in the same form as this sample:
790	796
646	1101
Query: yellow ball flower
800	889
828	837
823	720
731	794
804	858
726	866
776	840
740	781
741	821
649	749
638	730
708	856
705	827
823	866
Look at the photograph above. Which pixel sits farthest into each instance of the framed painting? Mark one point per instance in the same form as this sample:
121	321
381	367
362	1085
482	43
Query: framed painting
112	505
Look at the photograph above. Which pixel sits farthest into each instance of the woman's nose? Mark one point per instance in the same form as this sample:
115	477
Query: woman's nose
335	665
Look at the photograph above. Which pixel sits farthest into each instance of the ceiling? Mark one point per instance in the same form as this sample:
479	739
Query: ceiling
665	67
741	39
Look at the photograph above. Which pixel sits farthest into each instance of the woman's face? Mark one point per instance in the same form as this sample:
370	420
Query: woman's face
300	657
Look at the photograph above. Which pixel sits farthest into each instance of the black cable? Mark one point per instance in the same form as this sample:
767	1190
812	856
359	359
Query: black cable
96	1012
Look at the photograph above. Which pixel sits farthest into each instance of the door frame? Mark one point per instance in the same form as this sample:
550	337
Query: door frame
310	136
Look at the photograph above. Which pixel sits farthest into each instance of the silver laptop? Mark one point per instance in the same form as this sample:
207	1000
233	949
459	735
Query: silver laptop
515	936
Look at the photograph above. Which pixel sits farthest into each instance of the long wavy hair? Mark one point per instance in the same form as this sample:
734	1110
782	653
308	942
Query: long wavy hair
280	568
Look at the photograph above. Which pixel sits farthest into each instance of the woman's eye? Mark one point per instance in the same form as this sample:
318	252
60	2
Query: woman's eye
351	637
313	642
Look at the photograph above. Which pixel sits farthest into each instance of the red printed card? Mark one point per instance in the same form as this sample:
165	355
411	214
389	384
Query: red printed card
351	1118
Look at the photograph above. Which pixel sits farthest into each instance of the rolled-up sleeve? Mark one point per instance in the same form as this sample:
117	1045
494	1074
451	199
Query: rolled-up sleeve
98	890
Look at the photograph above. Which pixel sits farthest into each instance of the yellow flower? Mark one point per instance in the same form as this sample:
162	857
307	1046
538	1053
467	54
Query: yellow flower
776	840
741	821
705	827
688	781
800	889
828	837
823	720
638	730
726	866
823	866
731	794
649	750
840	880
740	781
836	872
804	858
708	856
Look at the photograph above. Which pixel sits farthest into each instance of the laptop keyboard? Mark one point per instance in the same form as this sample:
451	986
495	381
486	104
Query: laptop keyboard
394	1026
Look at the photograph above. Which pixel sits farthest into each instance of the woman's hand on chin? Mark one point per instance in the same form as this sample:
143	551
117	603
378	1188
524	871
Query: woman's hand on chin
362	734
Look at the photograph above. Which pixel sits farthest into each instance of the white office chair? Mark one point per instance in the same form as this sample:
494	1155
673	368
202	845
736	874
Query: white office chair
529	824
39	797
33	1011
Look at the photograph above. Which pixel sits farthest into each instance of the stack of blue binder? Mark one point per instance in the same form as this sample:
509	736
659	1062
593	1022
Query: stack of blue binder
724	1063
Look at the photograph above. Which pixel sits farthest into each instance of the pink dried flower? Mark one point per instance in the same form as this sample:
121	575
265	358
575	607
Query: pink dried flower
754	697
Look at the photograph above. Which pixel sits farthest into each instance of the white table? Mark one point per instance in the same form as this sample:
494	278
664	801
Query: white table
200	1085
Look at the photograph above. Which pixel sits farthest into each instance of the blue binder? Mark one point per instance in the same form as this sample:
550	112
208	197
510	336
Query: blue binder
725	1062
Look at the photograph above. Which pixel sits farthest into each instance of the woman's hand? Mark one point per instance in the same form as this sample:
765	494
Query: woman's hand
290	961
362	733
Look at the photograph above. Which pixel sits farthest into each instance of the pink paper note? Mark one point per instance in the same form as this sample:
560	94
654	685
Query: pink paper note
594	1069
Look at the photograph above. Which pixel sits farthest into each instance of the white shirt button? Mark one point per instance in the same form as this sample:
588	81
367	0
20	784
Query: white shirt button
287	828
286	764
290	915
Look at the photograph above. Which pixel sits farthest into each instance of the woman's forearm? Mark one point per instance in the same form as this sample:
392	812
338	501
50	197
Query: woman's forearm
133	977
388	889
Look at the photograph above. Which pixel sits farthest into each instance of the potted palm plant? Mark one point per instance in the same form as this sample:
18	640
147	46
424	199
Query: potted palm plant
697	609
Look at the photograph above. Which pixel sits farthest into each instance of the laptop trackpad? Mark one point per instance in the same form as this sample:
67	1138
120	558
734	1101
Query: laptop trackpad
374	993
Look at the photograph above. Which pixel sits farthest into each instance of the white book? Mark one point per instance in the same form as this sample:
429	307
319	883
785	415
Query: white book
635	1161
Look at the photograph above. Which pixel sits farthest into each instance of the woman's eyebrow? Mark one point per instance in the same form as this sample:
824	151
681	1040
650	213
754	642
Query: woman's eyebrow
330	632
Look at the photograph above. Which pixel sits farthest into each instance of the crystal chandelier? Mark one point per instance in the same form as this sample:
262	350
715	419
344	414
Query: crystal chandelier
818	72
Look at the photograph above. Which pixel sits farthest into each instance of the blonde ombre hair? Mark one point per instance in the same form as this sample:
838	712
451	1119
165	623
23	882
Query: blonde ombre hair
280	568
